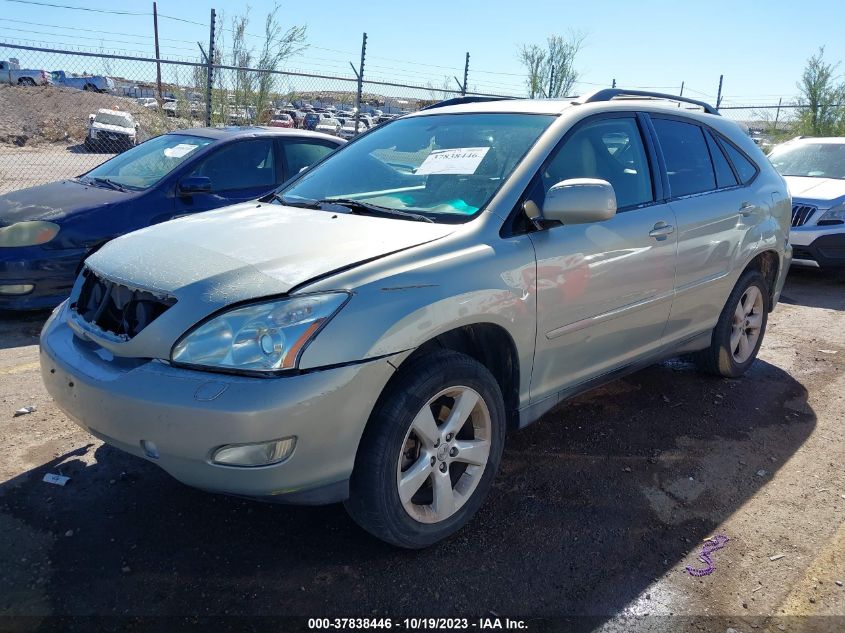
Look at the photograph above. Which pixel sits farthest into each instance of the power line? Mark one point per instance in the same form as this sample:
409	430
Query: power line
77	28
65	6
83	37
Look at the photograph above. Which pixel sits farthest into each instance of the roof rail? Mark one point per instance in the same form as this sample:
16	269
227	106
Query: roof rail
460	100
610	93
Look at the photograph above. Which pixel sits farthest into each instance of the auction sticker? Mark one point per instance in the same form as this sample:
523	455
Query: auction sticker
458	160
180	150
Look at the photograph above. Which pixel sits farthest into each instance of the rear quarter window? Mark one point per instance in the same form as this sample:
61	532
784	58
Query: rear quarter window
744	167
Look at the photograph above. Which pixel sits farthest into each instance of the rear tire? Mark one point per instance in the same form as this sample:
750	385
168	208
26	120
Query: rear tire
421	473
740	329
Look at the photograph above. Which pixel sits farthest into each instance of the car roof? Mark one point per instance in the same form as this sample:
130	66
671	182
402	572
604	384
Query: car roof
832	140
228	132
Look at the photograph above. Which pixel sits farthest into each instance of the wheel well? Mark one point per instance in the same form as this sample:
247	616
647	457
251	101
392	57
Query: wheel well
767	263
490	345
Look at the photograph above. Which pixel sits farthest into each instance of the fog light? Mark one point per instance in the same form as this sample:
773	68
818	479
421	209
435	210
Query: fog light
16	289
262	454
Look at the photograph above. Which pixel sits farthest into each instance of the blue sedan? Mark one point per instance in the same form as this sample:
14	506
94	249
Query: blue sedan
46	232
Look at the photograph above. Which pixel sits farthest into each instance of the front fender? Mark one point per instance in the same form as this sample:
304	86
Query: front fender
399	312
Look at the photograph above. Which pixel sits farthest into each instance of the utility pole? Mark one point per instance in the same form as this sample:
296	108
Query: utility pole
719	94
614	83
158	60
466	76
551	81
210	75
777	116
360	74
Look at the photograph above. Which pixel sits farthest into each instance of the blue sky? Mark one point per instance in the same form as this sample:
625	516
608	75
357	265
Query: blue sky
760	47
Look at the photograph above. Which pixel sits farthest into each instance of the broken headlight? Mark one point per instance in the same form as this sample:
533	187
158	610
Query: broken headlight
27	233
262	337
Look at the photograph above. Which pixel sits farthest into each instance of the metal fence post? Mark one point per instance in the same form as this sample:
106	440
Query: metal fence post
158	56
466	77
360	83
719	94
210	76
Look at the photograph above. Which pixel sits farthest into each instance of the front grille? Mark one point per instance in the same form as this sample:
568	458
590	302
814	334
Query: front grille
118	309
801	213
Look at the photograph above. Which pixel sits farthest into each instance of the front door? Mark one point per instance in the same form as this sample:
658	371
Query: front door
604	290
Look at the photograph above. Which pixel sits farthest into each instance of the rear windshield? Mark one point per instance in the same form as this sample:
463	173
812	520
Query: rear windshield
107	118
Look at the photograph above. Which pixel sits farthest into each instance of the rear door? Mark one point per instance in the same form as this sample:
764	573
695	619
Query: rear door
239	171
604	290
713	212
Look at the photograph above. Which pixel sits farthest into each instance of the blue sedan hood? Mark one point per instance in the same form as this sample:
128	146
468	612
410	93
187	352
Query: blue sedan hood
55	201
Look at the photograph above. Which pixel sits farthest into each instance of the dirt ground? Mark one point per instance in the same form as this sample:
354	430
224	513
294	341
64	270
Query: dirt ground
595	513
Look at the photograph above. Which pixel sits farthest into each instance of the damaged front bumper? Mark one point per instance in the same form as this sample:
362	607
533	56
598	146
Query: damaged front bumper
187	415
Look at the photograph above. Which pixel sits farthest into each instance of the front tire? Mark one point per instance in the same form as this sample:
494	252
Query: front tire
739	332
430	451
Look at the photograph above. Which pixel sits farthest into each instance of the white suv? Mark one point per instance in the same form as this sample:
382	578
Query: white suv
814	169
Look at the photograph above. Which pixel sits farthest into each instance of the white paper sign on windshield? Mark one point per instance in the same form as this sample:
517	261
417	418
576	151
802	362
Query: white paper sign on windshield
459	160
179	151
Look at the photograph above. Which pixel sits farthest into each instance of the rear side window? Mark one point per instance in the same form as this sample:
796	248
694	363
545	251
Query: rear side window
687	157
299	154
744	167
724	174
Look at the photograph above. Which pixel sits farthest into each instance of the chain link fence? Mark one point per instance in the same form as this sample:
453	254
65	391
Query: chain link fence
63	112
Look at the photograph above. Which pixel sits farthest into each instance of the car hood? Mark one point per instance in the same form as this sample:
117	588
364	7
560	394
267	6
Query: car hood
820	192
54	201
251	250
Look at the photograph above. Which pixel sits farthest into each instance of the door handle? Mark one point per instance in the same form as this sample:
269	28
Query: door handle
746	209
661	230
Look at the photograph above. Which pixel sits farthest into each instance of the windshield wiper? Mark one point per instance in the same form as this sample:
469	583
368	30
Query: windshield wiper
300	204
365	208
111	184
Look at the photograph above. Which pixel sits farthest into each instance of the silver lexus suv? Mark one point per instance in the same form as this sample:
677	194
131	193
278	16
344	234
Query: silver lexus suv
368	333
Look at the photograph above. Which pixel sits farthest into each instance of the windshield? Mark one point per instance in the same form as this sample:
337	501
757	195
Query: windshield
143	166
436	165
109	118
816	160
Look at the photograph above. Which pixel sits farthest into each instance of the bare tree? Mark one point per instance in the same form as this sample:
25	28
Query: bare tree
559	68
534	59
821	110
441	92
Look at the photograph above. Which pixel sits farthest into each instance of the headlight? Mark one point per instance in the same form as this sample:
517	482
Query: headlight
834	215
263	337
27	233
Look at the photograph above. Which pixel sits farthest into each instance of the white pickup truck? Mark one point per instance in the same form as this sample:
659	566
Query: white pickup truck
11	73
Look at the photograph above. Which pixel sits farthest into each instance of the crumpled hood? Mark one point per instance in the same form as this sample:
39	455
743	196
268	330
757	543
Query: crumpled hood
116	129
820	192
251	250
54	201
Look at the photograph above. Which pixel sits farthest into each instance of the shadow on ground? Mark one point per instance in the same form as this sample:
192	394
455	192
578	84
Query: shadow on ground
592	503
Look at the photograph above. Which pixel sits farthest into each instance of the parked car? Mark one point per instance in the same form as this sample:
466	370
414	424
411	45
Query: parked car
48	230
281	120
151	103
312	119
11	73
297	115
93	83
349	129
328	125
814	170
367	334
111	131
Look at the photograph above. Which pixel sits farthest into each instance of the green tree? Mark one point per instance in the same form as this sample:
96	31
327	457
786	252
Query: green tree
821	105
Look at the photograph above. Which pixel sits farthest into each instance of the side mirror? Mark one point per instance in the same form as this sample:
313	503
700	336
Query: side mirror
580	201
194	184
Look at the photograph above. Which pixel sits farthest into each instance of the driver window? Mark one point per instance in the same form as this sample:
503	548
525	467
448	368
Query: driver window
608	149
240	165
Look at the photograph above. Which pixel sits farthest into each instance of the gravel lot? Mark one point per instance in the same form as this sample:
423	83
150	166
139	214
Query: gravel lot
597	509
29	166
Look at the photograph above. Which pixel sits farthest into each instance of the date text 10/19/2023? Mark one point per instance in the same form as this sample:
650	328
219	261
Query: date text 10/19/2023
418	624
